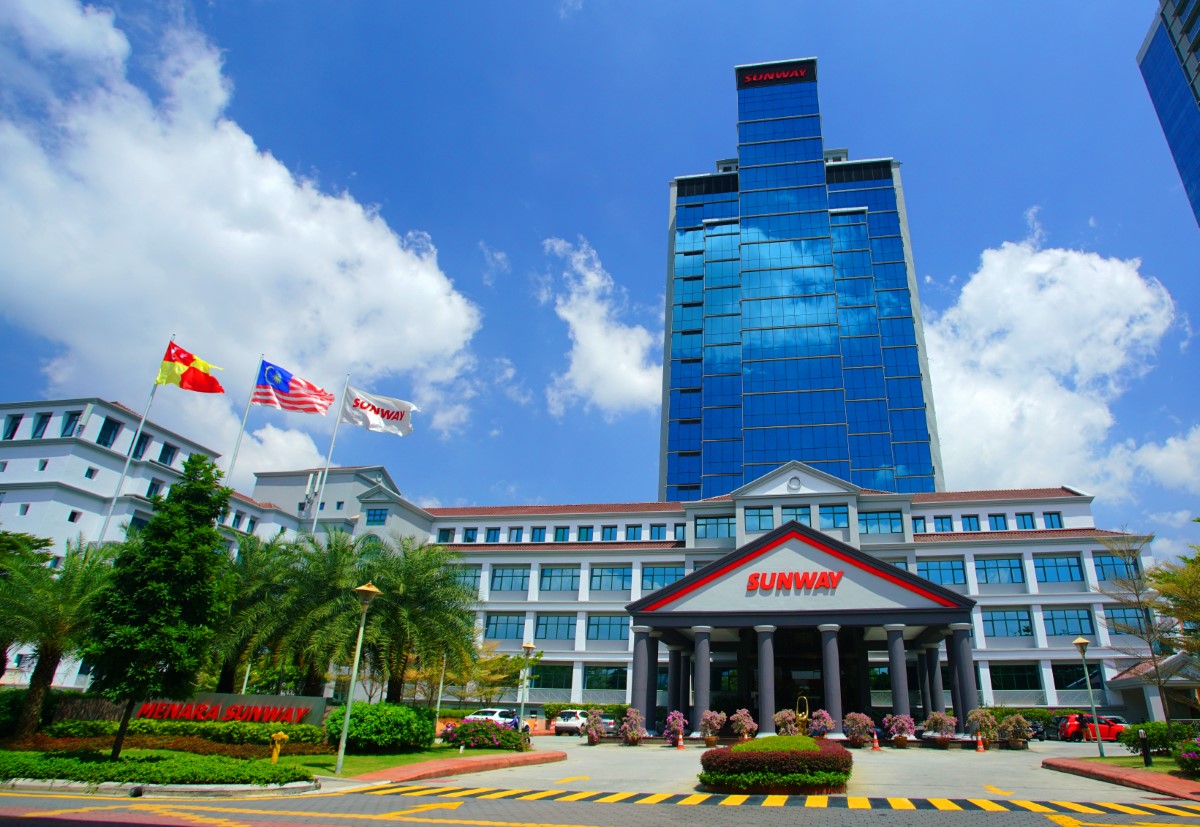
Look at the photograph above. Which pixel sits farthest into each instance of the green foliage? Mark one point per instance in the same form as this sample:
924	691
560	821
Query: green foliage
1156	733
1187	757
756	781
616	710
174	743
752	767
485	735
12	700
382	728
221	732
93	768
1031	714
780	743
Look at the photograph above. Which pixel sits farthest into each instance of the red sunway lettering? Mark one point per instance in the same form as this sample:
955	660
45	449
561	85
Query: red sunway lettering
781	75
796	580
383	413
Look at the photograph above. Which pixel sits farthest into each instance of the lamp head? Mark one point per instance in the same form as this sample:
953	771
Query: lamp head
1081	643
528	647
366	593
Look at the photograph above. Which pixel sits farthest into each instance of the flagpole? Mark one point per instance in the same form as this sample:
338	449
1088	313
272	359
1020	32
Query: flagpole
245	416
328	460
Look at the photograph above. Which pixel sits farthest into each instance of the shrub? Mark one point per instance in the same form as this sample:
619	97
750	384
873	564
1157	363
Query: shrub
382	728
776	763
593	725
96	768
983	722
711	722
483	735
858	726
1156	733
222	732
1013	727
615	710
897	725
632	727
675	727
743	723
940	723
1187	757
41	742
820	723
11	701
787	722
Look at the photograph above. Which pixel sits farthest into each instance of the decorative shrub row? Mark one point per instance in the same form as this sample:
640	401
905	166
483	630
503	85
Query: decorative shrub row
1156	733
485	735
777	763
616	710
95	768
382	728
222	732
175	743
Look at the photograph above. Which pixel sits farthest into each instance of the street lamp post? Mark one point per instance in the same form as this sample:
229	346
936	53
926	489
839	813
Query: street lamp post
365	594
1081	643
523	689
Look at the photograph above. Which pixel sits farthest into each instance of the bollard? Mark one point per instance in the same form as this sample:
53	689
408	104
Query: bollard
1144	740
277	742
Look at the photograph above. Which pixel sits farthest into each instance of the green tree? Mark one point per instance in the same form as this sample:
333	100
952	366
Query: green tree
1178	585
52	611
155	621
18	550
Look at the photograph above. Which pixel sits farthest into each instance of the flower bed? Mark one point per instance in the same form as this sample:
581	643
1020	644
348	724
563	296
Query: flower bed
485	735
780	765
96	768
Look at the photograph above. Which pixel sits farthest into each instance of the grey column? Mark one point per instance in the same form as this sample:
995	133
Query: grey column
831	672
933	671
652	682
923	680
744	671
862	663
955	685
685	688
641	634
703	669
674	698
965	666
897	668
766	679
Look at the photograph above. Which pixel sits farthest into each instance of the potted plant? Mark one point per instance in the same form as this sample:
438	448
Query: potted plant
711	722
674	728
899	728
786	722
857	728
983	723
632	727
820	724
743	724
1015	730
941	726
593	727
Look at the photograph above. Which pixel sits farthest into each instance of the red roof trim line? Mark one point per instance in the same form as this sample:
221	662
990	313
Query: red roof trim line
859	564
1002	536
548	510
609	545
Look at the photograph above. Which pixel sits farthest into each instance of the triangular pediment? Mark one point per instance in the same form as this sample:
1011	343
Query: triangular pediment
796	569
795	479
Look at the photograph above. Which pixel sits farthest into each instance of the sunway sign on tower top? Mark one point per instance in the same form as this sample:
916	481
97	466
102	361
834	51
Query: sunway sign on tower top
796	71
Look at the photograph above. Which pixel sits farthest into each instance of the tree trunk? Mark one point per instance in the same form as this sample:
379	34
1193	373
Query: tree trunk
395	690
39	684
122	729
228	677
314	683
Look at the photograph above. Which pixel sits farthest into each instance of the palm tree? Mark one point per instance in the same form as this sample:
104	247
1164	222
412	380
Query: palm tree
52	611
423	615
16	550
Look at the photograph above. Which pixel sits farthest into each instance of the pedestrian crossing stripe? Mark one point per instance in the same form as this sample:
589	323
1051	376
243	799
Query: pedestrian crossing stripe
831	802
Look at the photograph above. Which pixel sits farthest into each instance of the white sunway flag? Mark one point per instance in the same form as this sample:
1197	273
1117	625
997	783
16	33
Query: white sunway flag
377	413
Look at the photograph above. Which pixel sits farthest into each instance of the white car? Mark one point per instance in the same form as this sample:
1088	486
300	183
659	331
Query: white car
503	717
569	721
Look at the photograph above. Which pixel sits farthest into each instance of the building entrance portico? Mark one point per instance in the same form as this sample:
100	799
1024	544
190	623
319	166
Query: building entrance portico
799	614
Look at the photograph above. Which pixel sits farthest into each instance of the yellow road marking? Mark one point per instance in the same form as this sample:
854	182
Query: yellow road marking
732	800
775	801
571	778
857	802
466	792
943	804
1032	807
81	810
1175	811
504	793
819	801
615	797
654	799
901	804
1124	808
988	806
542	794
997	790
1078	808
578	796
198	819
432	790
694	799
421	808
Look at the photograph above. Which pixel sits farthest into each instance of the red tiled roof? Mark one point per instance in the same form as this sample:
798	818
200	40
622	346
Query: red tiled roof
609	546
1039	534
236	496
997	494
549	510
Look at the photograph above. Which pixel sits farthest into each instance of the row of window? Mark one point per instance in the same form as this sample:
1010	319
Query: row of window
874	522
595	676
996	522
561	534
109	431
511	626
1053	568
566	578
1060	622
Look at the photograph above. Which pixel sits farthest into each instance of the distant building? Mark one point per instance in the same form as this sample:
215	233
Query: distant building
793	327
1172	73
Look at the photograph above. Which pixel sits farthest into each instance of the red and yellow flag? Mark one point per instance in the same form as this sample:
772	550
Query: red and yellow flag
183	369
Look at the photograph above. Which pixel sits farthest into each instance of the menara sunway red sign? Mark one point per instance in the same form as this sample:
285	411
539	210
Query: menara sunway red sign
769	581
267	709
796	71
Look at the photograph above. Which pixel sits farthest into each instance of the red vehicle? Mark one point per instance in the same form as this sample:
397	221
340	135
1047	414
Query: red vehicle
1072	727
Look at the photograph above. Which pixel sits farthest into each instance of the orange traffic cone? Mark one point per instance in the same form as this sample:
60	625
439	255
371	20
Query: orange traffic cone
679	741
979	742
875	741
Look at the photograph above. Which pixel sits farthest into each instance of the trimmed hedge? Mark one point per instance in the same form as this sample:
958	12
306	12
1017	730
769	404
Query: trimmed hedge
11	701
780	743
222	732
175	743
778	766
382	728
95	768
485	735
1156	734
616	710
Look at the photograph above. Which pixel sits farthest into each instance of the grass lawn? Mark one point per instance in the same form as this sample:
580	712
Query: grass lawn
1162	763
360	764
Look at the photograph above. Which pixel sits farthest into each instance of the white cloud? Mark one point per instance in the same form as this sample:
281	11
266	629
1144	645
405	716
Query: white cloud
504	377
611	363
126	217
1174	519
1027	363
566	8
495	263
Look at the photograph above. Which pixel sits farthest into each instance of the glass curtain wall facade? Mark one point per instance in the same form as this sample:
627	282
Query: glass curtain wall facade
1171	71
794	329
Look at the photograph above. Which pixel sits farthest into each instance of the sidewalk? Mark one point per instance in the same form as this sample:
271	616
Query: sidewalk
443	767
1154	782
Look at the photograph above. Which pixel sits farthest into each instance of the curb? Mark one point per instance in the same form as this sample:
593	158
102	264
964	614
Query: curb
1154	782
443	767
126	790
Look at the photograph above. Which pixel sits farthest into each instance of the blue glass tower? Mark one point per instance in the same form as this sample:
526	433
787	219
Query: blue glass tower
794	330
1172	74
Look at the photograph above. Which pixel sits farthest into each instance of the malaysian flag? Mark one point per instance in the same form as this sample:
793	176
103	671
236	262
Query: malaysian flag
280	389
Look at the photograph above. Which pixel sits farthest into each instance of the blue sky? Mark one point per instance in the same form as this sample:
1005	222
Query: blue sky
465	205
